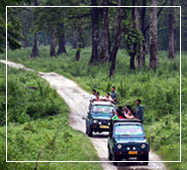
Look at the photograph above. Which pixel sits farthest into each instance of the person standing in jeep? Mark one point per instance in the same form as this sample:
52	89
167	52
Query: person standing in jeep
139	110
93	95
114	95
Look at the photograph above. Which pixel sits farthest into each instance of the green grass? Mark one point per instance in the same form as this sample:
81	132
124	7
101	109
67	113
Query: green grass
38	120
158	89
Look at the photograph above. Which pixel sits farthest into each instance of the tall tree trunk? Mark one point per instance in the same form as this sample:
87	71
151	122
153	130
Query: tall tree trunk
105	53
80	44
132	58
117	42
153	61
25	44
144	3
61	42
75	37
95	33
171	45
77	54
35	51
135	26
52	42
75	42
141	57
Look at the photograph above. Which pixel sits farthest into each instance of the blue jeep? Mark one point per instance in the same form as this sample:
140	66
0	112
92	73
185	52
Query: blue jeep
99	117
127	140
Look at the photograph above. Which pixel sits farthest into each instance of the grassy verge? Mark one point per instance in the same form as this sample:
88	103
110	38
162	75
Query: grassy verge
38	122
158	89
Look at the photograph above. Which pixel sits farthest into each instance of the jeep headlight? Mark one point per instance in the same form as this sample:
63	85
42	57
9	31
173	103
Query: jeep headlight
119	146
94	121
143	146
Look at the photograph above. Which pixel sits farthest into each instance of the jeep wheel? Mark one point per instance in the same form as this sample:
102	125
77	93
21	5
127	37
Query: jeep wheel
90	132
86	130
109	154
145	158
145	163
114	158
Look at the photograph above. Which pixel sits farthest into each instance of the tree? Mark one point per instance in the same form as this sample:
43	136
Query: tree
95	33
133	35
61	41
77	54
141	56
143	47
117	42
48	23
133	50
35	51
171	45
52	42
13	25
153	60
105	42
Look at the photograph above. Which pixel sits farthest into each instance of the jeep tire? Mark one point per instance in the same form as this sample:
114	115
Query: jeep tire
90	132
145	158
114	158
86	130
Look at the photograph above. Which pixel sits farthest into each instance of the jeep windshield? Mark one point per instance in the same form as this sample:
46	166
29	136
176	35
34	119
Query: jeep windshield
105	109
128	130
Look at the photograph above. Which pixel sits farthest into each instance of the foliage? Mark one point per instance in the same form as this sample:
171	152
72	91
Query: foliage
158	89
13	24
36	124
133	36
28	99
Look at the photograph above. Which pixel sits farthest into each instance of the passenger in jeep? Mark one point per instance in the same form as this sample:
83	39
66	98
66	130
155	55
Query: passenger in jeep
128	112
98	97
93	95
119	115
108	97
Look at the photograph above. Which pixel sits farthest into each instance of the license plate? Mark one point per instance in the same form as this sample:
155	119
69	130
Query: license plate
104	127
133	152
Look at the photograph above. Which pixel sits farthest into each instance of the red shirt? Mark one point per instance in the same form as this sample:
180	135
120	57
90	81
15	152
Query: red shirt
120	117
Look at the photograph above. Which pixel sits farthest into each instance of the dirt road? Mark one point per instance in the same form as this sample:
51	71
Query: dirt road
77	99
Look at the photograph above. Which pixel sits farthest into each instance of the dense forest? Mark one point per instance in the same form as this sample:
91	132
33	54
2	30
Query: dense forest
135	49
140	31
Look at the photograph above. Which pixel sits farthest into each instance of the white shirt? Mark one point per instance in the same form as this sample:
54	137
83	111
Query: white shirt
110	98
92	97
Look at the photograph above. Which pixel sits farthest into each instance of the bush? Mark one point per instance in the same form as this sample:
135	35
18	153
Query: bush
38	122
158	89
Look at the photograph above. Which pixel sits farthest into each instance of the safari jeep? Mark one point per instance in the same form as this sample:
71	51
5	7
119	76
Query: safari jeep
99	116
127	140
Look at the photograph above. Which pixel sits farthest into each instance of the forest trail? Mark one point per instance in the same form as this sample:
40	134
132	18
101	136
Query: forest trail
77	100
